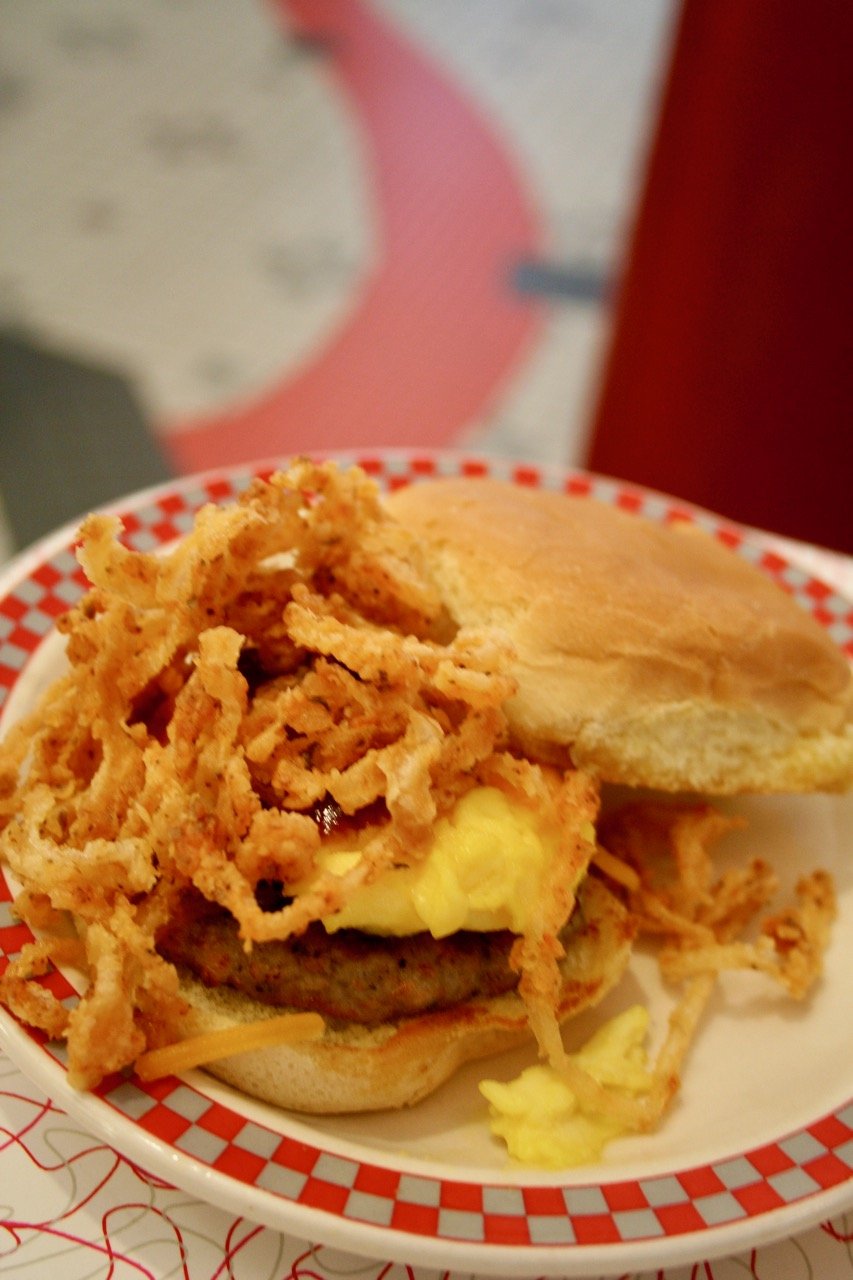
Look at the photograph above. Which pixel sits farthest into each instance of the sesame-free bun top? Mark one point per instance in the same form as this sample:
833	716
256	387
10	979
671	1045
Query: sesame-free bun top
655	654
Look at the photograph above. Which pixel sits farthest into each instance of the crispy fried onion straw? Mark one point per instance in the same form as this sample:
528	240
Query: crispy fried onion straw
661	856
289	654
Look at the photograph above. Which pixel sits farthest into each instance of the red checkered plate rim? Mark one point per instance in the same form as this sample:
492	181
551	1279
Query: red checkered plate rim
444	1196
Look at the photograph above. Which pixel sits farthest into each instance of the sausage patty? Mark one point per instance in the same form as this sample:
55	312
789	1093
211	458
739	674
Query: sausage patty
349	975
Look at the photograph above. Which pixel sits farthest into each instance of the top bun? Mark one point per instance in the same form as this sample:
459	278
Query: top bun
656	655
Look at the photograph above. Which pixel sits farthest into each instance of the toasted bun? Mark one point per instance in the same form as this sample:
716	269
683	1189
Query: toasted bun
655	654
355	1068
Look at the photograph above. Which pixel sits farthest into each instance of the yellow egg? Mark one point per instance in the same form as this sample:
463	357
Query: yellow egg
541	1120
483	872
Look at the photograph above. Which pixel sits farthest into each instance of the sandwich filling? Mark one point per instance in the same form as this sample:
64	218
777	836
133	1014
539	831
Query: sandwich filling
419	938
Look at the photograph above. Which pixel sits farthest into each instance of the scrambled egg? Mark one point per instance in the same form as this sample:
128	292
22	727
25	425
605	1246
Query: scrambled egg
483	872
538	1116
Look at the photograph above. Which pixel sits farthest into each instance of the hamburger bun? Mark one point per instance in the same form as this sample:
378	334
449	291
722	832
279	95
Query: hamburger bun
653	653
370	1068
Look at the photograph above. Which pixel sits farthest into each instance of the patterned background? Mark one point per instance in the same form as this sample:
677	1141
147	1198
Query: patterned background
384	219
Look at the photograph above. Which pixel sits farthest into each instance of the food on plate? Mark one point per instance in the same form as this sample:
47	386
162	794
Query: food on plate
573	1104
301	813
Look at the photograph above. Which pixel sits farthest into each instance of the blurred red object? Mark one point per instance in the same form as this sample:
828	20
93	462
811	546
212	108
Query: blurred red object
729	379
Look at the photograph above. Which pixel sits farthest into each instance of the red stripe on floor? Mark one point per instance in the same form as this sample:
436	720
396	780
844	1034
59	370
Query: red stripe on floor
436	330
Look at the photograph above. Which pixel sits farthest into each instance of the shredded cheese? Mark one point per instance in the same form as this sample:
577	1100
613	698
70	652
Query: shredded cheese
288	1028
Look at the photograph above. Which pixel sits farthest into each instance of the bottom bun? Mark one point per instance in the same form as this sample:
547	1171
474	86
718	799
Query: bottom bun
357	1068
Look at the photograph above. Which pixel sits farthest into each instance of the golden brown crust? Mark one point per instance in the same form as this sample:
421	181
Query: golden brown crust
655	653
394	1065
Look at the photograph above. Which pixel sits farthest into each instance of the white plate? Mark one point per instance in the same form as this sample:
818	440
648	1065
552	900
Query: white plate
758	1146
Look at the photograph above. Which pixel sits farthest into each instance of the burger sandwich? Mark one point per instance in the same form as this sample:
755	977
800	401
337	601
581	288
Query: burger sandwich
318	794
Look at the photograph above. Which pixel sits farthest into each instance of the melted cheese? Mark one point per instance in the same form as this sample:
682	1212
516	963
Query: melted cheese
483	871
